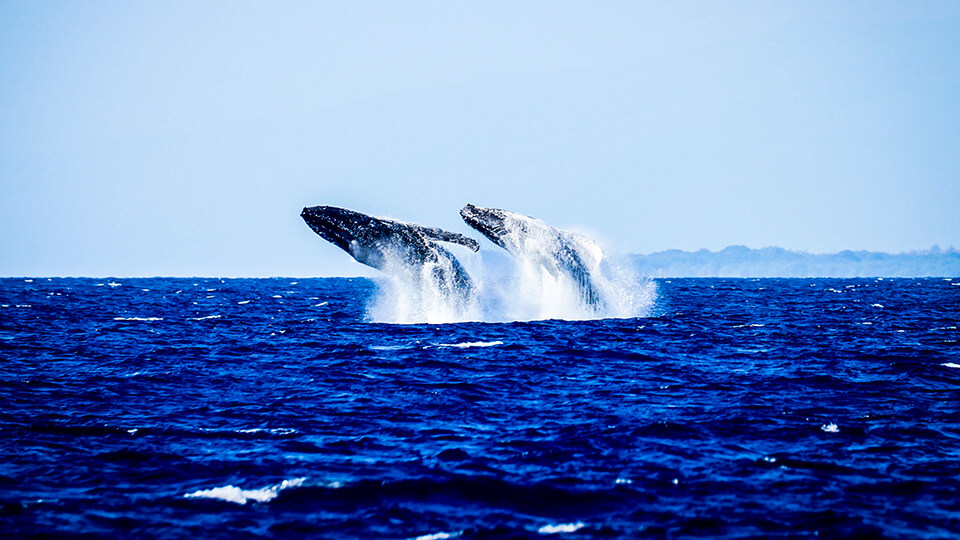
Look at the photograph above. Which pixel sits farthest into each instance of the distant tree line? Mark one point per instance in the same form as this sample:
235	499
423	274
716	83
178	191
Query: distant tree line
741	261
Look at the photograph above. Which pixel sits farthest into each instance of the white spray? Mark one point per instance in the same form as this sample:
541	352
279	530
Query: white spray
427	293
534	284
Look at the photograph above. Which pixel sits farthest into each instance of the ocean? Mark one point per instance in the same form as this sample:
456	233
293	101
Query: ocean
237	408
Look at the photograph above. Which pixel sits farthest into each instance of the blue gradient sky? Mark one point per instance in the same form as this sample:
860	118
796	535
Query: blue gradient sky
183	138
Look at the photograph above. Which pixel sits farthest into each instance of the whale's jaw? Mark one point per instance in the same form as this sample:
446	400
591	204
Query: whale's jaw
332	224
490	222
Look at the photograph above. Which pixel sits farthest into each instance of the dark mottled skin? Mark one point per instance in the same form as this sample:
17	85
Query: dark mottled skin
376	241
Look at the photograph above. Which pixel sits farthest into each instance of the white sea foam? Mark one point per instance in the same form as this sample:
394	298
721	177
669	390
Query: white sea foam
242	302
205	318
511	288
138	318
830	428
471	344
559	275
950	365
276	431
439	536
561	528
241	496
427	293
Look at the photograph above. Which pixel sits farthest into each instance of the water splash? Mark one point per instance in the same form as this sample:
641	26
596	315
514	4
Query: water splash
526	289
509	288
433	292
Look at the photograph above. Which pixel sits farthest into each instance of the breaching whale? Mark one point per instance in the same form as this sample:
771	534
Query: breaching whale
407	250
560	253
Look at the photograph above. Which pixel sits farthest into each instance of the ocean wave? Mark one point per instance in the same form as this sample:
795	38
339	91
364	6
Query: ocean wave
241	496
439	536
471	344
561	528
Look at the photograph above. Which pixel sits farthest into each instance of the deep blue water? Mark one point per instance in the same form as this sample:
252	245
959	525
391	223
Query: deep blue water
238	408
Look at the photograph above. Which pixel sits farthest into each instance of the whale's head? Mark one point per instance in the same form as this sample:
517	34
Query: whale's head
490	222
338	226
363	237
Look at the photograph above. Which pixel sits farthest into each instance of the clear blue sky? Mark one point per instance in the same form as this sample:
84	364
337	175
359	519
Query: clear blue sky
183	138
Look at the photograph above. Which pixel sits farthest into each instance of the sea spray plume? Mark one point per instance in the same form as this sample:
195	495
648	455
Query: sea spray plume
553	253
427	283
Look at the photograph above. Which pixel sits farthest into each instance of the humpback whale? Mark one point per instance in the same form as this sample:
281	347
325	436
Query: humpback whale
407	250
560	253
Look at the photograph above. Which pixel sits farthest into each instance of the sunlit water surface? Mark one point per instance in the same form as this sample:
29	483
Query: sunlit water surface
238	408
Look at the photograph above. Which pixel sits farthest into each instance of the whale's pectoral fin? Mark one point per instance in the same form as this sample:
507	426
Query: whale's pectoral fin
436	233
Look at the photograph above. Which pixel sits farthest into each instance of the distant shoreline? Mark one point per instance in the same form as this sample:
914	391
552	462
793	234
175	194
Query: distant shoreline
774	262
730	262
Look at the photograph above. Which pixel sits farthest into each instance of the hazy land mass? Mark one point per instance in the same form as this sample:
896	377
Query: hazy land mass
741	261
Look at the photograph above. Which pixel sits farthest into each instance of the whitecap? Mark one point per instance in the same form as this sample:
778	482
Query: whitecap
321	304
113	284
388	347
276	296
876	305
830	428
242	302
950	365
277	431
439	536
471	344
138	318
561	528
28	281
205	318
241	496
